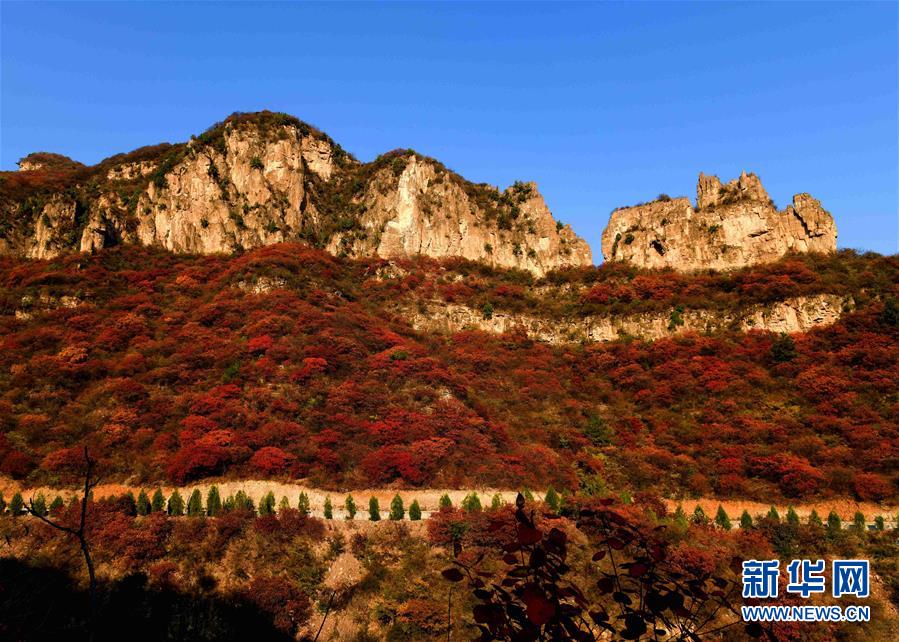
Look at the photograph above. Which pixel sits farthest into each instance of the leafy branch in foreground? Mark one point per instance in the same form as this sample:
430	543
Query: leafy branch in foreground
78	533
641	596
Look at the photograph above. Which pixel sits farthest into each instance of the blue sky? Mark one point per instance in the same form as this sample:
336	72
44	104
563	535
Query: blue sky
602	104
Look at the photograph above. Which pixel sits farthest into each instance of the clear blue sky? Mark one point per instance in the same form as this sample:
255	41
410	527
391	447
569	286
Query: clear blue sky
602	105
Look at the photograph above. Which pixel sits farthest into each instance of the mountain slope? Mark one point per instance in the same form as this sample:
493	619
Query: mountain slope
288	361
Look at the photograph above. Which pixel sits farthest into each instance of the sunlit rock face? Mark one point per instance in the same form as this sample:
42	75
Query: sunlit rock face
733	225
265	178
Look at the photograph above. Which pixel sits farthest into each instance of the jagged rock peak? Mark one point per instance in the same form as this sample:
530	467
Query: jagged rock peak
733	225
262	178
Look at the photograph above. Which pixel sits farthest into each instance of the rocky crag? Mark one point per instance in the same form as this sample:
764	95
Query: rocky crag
258	179
733	225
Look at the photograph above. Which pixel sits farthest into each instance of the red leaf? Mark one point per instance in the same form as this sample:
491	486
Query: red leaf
539	609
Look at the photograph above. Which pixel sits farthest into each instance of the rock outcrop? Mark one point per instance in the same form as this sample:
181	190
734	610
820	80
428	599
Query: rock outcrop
733	225
797	314
264	178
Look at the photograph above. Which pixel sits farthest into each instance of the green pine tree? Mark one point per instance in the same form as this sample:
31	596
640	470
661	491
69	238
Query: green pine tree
176	504
471	503
813	519
699	516
445	501
243	502
213	502
859	522
143	503
680	518
329	509
415	511
528	495
496	502
129	504
879	523
16	505
745	520
2	504
374	510
792	517
833	522
397	511
55	506
157	504
551	499
890	314
195	504
267	504
350	505
773	515
722	519
284	504
229	504
39	505
783	348
303	504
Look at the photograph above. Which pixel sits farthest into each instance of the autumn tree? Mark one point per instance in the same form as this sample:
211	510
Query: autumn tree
79	533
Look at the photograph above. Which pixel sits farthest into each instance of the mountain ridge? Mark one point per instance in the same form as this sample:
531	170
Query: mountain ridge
263	178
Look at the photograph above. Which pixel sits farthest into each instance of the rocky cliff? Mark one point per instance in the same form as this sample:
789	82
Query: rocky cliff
257	179
796	314
733	225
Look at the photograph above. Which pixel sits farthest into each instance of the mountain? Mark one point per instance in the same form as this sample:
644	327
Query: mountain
263	178
733	225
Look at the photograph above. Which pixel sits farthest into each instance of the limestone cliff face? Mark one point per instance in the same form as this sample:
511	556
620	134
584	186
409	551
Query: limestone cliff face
426	210
797	314
733	225
266	178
